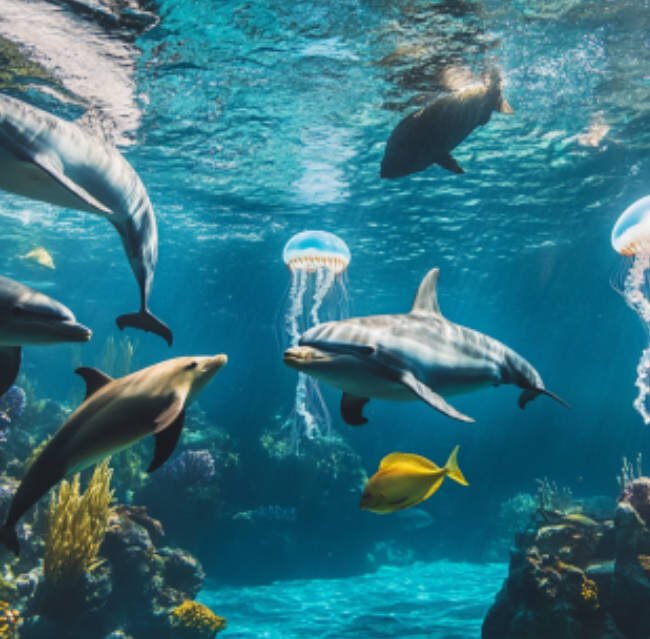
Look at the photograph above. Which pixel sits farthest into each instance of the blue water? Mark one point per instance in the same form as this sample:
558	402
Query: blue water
445	600
251	121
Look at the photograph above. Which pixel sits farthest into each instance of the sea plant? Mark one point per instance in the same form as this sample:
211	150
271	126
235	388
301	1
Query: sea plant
630	471
191	615
552	497
77	524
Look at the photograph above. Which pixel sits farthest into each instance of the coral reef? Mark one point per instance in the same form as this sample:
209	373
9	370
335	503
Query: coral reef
574	577
195	619
77	524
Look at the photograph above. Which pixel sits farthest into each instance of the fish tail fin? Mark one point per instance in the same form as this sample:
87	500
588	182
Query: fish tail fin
9	538
453	471
146	321
529	394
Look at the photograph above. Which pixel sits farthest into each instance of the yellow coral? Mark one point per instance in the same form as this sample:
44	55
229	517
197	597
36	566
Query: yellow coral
77	525
589	593
9	620
193	615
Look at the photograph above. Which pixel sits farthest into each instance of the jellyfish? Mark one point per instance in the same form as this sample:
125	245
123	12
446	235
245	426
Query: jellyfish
317	261
631	238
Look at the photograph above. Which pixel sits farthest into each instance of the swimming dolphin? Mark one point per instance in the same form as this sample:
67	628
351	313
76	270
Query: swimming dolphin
49	159
28	317
418	355
429	135
115	414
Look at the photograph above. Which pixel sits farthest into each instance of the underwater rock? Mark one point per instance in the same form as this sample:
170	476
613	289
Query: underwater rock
12	406
573	577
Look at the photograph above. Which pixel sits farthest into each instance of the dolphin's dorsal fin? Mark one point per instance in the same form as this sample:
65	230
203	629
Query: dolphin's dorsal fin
94	379
426	299
166	441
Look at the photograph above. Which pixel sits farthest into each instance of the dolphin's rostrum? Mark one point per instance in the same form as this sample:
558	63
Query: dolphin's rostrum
115	414
27	318
417	355
52	160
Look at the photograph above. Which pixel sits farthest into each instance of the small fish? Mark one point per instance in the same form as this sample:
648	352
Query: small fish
40	256
404	480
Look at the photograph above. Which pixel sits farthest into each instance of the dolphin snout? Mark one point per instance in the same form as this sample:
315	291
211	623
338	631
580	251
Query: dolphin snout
217	362
76	332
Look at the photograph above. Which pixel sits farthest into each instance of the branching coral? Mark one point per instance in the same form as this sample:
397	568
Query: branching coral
195	616
630	471
77	524
551	497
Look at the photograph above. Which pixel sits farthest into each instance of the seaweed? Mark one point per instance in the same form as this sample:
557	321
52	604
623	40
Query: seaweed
77	524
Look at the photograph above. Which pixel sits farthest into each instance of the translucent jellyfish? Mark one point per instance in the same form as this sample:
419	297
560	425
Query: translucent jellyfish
631	238
317	261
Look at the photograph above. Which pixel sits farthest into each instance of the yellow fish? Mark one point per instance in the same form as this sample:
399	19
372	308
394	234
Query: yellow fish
40	256
404	480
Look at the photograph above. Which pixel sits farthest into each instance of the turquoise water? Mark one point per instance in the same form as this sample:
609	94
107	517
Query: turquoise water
445	600
249	122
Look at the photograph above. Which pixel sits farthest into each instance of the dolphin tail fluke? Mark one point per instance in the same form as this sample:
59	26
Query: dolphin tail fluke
453	471
9	538
529	394
146	321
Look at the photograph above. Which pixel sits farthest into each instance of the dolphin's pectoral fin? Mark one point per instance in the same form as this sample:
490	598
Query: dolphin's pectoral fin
431	397
9	365
168	417
352	409
166	441
447	162
94	379
529	394
146	321
54	170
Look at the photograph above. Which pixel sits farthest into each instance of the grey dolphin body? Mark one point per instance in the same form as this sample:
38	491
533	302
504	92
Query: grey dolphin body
28	317
418	355
52	160
429	135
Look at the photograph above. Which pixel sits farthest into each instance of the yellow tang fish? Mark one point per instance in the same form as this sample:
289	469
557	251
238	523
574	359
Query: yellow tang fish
404	480
40	256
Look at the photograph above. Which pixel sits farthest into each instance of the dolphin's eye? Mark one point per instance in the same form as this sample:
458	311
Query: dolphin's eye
191	366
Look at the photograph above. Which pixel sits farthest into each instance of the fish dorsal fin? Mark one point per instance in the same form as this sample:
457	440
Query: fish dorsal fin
411	461
426	299
94	379
166	441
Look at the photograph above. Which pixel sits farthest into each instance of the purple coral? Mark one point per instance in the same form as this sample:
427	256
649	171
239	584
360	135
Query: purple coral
637	494
191	468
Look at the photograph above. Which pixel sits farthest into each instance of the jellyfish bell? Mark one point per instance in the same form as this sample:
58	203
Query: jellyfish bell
631	233
631	238
317	261
313	250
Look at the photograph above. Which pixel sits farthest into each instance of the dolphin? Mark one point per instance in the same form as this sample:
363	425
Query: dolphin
430	134
417	355
115	414
28	317
52	160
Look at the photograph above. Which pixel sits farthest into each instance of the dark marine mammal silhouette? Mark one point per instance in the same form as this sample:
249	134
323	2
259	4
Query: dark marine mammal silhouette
430	134
28	317
115	414
416	355
52	160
